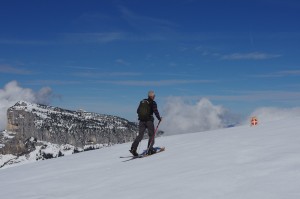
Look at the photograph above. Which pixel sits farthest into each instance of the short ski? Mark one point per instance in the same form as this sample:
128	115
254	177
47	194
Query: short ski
160	149
144	154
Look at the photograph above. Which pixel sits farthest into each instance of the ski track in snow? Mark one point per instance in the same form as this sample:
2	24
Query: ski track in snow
243	162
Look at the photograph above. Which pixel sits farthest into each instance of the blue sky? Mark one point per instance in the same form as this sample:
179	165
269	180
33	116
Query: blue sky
103	56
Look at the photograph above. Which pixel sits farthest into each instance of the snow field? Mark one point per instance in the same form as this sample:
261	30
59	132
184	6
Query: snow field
243	162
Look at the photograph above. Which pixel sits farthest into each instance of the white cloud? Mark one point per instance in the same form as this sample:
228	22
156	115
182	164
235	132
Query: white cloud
26	42
183	117
13	70
122	62
12	93
252	96
106	74
97	37
167	82
266	114
253	56
285	73
146	23
180	116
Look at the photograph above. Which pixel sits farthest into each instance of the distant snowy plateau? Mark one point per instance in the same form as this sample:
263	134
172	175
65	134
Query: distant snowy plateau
244	162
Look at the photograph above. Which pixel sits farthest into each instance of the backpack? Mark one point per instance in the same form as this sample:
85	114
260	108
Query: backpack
144	110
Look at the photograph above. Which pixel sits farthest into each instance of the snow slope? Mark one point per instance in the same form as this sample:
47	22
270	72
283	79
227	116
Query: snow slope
261	162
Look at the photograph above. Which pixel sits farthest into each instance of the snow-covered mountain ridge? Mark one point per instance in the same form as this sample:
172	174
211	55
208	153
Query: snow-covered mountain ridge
36	131
244	162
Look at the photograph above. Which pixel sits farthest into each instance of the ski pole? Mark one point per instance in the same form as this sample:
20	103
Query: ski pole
153	137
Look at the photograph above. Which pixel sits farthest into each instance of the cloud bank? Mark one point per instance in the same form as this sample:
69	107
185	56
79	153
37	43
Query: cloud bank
253	56
267	114
183	117
12	93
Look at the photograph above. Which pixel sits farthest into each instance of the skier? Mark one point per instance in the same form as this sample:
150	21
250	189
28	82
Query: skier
146	121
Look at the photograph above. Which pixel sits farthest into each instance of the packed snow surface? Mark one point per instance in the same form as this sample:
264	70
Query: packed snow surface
260	162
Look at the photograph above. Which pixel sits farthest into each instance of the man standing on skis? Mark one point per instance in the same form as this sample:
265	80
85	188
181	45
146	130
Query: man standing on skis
146	121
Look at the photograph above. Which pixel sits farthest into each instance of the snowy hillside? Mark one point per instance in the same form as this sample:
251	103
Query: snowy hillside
244	162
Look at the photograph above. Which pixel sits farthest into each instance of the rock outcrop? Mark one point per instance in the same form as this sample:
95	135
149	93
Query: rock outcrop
60	126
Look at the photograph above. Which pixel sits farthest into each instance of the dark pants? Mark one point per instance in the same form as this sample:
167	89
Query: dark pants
143	125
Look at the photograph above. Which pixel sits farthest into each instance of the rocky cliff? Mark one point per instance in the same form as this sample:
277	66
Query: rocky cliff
28	123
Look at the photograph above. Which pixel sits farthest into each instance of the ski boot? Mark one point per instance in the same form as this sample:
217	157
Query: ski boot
133	152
